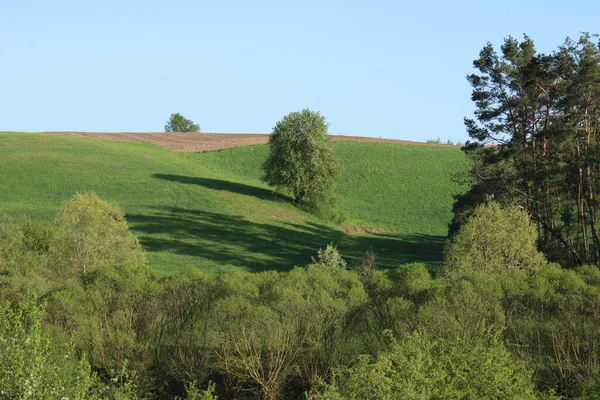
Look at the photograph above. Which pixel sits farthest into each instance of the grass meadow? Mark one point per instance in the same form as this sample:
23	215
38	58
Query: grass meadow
209	210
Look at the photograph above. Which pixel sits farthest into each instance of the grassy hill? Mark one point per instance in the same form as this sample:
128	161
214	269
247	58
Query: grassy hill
206	210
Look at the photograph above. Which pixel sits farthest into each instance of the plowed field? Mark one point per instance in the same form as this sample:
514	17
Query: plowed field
193	142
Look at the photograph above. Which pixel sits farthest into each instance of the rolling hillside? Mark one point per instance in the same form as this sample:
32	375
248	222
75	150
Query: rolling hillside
206	210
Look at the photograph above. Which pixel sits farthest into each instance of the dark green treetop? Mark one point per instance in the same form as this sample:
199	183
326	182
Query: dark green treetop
178	123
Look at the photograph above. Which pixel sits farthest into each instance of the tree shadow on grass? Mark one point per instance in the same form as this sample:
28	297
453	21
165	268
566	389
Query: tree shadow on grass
230	239
217	184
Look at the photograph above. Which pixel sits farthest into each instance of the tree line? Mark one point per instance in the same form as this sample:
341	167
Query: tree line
535	141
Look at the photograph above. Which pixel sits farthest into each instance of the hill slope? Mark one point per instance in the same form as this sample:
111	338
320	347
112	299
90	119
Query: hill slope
205	210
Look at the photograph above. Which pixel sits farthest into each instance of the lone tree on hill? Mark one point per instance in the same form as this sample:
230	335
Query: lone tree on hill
178	123
300	157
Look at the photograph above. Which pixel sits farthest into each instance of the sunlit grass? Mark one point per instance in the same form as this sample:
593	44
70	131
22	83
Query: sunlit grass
207	210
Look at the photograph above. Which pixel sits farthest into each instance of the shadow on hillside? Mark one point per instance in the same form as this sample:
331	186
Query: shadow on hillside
233	240
217	184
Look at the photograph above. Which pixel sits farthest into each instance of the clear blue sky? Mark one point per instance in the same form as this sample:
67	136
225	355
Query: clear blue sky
374	68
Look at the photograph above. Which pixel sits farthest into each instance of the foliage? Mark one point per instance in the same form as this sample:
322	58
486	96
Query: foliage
111	317
178	123
31	363
300	157
447	142
321	297
193	393
536	134
420	367
330	256
275	328
552	317
278	335
24	245
494	240
187	321
366	265
90	233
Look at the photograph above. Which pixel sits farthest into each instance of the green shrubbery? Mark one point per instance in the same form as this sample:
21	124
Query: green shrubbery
90	233
421	367
121	330
32	365
495	240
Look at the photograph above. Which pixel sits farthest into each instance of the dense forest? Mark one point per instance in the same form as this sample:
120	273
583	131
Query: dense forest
514	312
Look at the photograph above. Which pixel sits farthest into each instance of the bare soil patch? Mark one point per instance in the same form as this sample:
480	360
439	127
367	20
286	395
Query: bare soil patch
194	142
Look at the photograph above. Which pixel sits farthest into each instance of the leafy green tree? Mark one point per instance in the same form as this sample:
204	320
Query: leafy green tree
32	365
494	240
277	328
300	157
178	123
420	367
187	322
90	233
320	298
536	134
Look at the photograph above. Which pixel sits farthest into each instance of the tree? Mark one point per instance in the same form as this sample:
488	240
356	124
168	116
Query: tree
494	240
90	233
536	135
300	157
421	367
178	123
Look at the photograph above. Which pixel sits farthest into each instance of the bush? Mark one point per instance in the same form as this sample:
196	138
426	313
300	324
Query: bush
495	240
90	233
420	367
23	257
32	365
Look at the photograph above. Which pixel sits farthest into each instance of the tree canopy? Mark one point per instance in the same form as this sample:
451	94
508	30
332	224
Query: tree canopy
535	141
300	157
178	123
493	240
90	233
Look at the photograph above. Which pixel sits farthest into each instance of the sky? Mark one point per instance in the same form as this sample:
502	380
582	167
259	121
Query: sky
392	69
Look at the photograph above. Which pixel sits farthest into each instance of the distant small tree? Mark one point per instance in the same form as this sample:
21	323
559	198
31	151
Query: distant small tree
178	123
300	157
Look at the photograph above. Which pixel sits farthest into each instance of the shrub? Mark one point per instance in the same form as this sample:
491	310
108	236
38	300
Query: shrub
495	240
23	257
31	364
420	367
91	233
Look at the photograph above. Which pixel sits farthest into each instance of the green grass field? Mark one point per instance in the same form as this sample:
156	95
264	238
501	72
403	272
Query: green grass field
206	210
